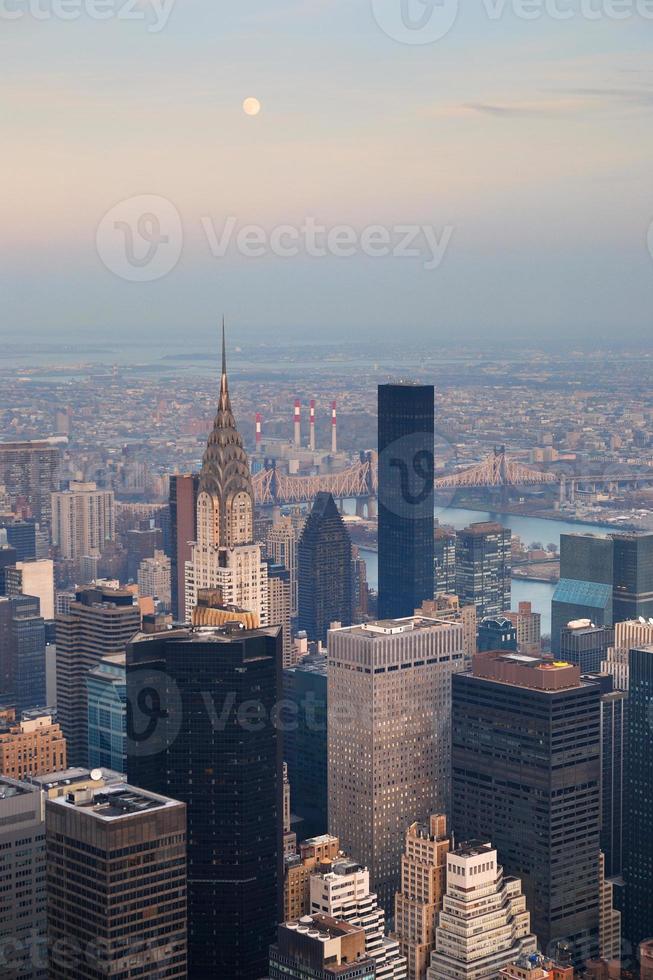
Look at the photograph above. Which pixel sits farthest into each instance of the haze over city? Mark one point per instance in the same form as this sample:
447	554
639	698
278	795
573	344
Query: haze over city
525	142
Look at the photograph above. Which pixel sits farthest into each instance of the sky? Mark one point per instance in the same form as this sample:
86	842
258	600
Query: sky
487	183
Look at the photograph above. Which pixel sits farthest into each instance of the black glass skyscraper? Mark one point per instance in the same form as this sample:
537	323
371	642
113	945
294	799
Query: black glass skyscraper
406	498
638	799
22	651
585	587
305	744
633	576
324	570
202	729
526	775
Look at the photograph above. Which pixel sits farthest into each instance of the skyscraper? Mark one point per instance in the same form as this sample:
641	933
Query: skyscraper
100	622
445	561
305	743
281	547
106	693
406	432
83	520
183	531
211	741
389	736
484	567
585	587
22	872
526	775
224	556
30	470
279	606
324	570
614	708
122	851
585	645
632	576
484	924
638	799
22	651
423	884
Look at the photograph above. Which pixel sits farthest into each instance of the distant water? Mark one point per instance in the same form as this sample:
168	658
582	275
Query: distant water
529	529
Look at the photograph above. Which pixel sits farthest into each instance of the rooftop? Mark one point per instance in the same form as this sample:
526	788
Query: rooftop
394	627
114	802
473	849
10	788
520	670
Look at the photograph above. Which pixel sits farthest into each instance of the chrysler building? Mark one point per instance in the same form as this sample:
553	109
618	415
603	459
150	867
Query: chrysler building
224	557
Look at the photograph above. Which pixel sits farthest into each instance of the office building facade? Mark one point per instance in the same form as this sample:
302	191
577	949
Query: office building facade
423	885
30	471
632	576
406	432
214	745
585	645
32	746
324	570
99	623
342	891
183	490
484	567
526	754
106	697
305	743
389	736
123	852
22	873
638	799
585	587
22	651
83	520
484	924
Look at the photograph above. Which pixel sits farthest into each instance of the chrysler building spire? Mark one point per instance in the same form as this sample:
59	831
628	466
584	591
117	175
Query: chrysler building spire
225	476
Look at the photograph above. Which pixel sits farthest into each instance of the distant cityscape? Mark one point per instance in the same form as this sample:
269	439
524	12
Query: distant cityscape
320	668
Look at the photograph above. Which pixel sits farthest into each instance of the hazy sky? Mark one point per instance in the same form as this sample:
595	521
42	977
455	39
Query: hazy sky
524	147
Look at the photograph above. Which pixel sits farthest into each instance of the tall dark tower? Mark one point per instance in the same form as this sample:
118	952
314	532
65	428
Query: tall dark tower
324	570
638	799
201	729
526	774
406	498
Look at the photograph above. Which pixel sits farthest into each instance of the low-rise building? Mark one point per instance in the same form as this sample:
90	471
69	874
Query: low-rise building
33	746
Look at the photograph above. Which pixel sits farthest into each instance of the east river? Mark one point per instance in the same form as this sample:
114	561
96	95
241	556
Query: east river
529	529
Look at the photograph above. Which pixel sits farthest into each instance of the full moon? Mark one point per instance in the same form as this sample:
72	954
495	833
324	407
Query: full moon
251	107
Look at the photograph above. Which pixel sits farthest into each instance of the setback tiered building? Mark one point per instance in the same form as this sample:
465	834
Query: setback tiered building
484	924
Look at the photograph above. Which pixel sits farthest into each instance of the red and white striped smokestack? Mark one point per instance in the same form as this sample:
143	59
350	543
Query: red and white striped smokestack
334	429
298	423
259	430
311	436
